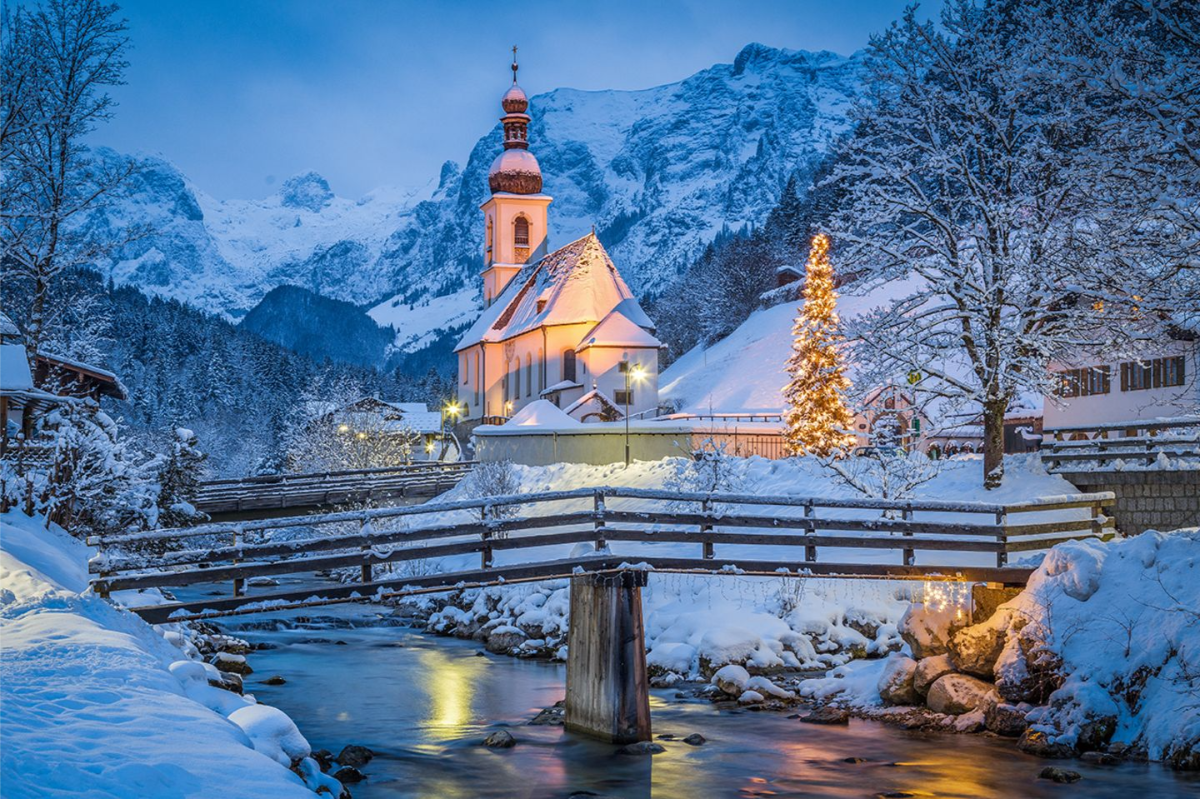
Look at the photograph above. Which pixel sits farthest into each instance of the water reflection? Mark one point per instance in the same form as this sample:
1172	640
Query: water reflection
425	704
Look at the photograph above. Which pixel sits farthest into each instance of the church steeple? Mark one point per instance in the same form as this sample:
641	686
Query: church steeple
515	216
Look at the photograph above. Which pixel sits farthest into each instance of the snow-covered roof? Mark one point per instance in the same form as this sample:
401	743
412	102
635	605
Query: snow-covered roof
595	398
575	284
618	330
7	328
561	385
541	413
82	366
14	368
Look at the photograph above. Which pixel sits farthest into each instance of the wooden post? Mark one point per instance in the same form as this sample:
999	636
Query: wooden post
910	555
810	549
598	507
238	584
608	690
709	554
1002	537
366	575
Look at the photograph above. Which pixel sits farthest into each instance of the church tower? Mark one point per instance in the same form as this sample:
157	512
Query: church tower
515	217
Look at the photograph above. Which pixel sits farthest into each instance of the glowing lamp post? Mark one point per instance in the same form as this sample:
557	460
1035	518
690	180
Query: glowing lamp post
451	410
633	374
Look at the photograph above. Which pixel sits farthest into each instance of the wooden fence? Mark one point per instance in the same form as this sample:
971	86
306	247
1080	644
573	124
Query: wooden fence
326	489
1069	448
720	526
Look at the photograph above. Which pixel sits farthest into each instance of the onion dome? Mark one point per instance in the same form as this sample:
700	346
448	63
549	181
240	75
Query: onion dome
515	171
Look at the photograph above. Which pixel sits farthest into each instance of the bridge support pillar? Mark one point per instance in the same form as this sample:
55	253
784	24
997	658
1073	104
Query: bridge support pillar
608	691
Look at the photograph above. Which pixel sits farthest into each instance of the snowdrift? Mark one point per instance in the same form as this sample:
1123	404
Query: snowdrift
97	701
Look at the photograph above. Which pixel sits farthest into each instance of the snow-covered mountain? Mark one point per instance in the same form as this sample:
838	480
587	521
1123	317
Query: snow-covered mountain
658	172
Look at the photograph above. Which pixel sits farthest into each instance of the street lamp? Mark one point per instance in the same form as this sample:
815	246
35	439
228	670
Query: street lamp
450	410
633	374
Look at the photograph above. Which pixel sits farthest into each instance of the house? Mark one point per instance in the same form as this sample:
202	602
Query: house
411	423
557	325
1159	381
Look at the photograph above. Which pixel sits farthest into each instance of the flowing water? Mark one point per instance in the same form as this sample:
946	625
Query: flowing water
424	704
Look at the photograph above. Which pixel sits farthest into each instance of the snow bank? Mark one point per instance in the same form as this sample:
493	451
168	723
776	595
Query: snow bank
96	699
1124	618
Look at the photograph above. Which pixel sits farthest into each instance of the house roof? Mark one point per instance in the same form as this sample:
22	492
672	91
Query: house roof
577	283
14	368
597	398
618	330
106	381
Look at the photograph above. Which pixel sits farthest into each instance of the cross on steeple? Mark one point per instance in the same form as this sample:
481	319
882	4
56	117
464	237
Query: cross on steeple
514	65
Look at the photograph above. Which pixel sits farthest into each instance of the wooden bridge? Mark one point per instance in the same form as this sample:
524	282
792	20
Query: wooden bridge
521	538
266	495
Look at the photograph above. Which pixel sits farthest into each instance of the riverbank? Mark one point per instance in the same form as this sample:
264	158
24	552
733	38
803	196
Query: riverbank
97	701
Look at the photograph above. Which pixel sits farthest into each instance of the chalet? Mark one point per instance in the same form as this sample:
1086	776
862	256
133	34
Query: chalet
1160	381
557	325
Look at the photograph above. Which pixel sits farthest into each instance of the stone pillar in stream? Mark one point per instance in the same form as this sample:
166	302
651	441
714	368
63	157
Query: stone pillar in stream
608	692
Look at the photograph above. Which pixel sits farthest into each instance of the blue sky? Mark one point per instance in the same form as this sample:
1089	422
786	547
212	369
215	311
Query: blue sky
240	94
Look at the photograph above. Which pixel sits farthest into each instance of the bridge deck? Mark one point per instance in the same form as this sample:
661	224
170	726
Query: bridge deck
531	533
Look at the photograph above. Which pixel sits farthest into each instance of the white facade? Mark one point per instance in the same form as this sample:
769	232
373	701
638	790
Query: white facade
1161	383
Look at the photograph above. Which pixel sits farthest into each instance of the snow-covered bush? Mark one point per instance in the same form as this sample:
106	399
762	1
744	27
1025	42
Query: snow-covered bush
493	479
711	469
97	483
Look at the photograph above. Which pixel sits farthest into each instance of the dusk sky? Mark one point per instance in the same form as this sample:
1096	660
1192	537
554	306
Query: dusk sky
240	94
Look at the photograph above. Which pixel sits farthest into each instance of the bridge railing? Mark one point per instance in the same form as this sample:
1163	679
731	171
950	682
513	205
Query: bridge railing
314	489
757	534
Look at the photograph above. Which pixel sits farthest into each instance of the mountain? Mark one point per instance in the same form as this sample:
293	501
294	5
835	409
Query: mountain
319	327
658	172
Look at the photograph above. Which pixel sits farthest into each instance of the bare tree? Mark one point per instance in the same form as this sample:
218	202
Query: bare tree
58	59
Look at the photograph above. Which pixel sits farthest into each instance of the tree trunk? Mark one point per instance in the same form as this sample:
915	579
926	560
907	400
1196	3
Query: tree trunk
993	442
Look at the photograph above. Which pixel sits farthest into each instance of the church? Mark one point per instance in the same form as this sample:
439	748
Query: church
557	325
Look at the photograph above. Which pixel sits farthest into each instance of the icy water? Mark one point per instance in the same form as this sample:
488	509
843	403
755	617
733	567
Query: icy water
425	703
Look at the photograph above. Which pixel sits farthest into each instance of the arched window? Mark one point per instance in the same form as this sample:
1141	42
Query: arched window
521	232
541	366
528	375
568	365
487	242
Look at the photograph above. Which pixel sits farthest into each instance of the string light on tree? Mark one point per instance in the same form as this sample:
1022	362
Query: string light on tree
818	419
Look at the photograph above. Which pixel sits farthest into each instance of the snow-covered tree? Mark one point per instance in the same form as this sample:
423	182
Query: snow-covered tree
817	416
327	434
885	470
179	480
964	193
98	482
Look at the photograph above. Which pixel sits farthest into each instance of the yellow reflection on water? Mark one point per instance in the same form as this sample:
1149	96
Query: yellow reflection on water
449	685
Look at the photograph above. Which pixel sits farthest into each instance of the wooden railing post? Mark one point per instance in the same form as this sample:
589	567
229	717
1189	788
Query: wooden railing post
910	555
1002	538
239	585
485	554
367	572
599	507
810	548
705	529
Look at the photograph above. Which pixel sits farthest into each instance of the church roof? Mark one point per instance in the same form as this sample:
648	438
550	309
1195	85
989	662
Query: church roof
576	284
618	330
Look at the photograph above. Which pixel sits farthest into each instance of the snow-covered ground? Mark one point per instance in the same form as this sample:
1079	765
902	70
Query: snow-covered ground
417	324
98	703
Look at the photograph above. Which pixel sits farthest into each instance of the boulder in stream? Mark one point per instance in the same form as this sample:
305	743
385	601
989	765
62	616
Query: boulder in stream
955	694
354	755
500	739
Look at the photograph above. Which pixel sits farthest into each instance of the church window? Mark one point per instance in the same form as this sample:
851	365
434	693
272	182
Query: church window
521	232
568	366
528	375
487	242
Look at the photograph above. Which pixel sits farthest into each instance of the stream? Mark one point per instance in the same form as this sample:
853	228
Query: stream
424	704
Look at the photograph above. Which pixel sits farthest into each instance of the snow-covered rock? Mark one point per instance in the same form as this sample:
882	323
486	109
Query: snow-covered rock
954	694
896	683
929	670
975	650
927	630
731	679
273	733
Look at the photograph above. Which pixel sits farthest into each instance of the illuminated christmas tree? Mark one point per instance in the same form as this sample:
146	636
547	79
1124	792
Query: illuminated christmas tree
818	421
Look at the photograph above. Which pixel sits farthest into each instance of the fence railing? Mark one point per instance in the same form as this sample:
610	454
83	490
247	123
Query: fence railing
720	526
317	489
1129	442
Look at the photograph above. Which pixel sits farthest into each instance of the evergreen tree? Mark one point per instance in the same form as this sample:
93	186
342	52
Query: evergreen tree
179	480
817	416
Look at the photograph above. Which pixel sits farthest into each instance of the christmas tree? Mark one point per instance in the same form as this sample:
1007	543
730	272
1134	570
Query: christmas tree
818	420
